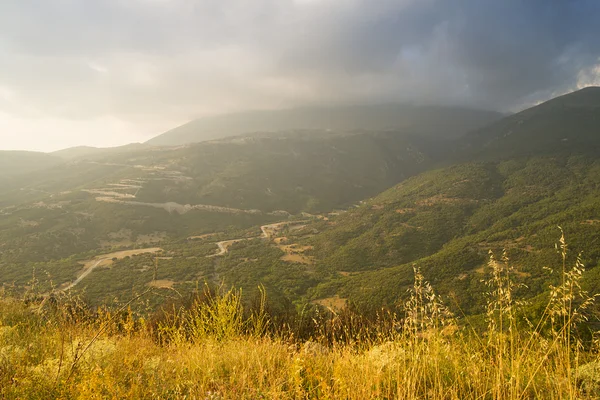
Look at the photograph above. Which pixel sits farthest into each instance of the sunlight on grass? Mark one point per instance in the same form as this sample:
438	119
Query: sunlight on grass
218	349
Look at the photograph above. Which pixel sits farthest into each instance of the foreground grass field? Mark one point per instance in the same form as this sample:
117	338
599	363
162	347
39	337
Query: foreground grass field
50	347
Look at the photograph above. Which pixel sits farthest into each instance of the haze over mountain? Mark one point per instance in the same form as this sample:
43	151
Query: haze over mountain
14	163
443	122
72	153
111	72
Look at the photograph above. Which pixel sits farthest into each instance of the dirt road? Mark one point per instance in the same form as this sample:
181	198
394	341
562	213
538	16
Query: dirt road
85	273
268	231
106	259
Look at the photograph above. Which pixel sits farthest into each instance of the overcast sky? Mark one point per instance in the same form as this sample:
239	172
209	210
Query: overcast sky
109	72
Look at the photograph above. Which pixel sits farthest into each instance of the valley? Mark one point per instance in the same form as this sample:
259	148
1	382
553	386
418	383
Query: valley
301	199
315	217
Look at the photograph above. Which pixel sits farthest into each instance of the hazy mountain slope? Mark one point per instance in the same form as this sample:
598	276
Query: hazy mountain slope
95	152
446	122
294	171
307	171
14	163
569	123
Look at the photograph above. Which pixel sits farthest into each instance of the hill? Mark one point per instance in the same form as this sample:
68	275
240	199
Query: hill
58	217
14	163
566	124
446	221
533	171
311	171
91	152
446	122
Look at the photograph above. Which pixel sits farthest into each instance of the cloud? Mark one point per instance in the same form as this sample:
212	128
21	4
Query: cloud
151	63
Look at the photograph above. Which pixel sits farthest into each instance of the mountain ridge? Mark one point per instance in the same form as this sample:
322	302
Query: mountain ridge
567	123
427	120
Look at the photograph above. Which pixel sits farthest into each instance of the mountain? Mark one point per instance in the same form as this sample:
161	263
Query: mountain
569	123
446	122
73	153
311	171
15	163
532	171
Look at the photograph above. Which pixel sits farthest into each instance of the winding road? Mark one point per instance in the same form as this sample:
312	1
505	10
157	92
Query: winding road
267	233
84	274
94	263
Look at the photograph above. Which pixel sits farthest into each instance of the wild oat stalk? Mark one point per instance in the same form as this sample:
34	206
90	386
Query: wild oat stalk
424	309
426	318
566	307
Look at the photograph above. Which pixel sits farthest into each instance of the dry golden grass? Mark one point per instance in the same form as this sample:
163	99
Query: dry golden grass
335	303
217	350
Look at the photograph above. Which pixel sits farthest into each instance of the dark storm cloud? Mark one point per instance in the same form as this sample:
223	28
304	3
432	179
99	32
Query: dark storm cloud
497	53
150	63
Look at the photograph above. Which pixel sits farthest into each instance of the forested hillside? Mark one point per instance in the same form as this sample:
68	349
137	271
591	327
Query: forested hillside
292	171
446	221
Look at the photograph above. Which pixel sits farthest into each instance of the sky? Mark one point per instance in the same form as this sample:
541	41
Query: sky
111	72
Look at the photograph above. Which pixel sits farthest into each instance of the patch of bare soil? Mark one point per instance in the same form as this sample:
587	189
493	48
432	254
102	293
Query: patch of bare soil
335	303
481	271
280	240
129	253
295	253
162	284
268	231
591	222
517	243
205	236
348	273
